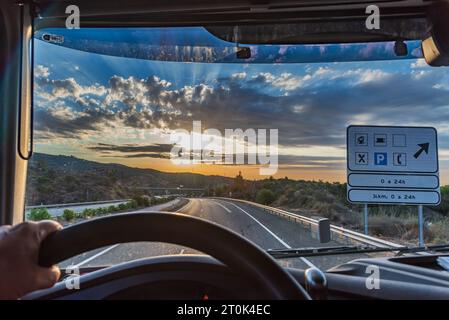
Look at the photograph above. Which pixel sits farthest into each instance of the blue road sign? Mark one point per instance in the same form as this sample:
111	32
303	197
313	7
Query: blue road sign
380	158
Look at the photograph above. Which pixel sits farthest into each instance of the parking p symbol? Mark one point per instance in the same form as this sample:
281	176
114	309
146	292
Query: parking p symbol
380	158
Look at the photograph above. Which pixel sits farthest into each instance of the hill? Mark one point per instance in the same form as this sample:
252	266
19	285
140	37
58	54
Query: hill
63	179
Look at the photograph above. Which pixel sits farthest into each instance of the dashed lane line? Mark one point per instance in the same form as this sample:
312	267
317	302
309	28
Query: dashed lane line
218	203
95	256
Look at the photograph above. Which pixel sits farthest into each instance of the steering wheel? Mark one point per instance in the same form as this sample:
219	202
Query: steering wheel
240	255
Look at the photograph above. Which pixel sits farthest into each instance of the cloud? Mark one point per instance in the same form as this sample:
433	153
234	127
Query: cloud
145	155
53	123
373	75
159	147
316	111
133	91
41	71
419	63
52	90
286	81
239	75
158	150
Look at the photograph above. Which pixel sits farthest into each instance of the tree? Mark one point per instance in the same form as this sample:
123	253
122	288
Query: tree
239	188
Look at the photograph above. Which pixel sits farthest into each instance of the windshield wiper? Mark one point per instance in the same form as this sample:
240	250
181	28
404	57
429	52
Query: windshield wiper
335	250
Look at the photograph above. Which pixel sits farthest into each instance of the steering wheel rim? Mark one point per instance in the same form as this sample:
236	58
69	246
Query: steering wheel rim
238	253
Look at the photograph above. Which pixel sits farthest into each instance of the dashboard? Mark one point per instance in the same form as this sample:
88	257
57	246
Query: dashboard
201	277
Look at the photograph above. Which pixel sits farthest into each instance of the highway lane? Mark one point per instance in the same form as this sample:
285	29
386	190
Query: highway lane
266	230
293	235
125	252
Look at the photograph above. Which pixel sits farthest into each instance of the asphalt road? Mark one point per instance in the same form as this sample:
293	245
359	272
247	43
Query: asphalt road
266	230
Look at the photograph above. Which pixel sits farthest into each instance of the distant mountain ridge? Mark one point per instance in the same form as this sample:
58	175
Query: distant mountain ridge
59	178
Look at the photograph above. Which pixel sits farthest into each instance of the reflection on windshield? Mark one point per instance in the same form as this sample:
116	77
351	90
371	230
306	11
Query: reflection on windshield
105	124
170	44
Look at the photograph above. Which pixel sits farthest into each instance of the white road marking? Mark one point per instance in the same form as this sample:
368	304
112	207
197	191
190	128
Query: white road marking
182	251
218	203
95	256
285	244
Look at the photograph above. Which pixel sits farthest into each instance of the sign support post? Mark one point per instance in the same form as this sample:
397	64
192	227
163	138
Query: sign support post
365	209
420	225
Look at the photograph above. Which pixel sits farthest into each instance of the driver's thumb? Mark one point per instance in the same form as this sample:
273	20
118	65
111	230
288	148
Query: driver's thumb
47	277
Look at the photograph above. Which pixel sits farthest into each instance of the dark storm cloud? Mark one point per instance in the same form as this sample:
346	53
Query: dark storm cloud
318	116
297	159
48	124
127	148
142	155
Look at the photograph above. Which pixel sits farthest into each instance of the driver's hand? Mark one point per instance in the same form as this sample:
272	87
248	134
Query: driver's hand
19	252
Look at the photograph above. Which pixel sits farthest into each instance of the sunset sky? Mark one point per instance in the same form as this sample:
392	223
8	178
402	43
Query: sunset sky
123	110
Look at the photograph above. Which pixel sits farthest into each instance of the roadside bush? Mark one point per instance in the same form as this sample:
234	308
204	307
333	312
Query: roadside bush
443	207
68	215
265	196
93	212
38	214
142	201
155	201
132	204
437	232
88	213
403	228
79	215
101	211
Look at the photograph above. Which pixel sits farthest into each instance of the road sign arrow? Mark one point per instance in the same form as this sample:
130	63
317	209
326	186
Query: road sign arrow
424	147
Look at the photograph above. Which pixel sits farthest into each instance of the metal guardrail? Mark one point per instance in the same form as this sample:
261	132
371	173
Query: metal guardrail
337	233
74	204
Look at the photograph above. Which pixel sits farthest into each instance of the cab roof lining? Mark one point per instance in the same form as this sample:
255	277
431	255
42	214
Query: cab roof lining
258	21
226	11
